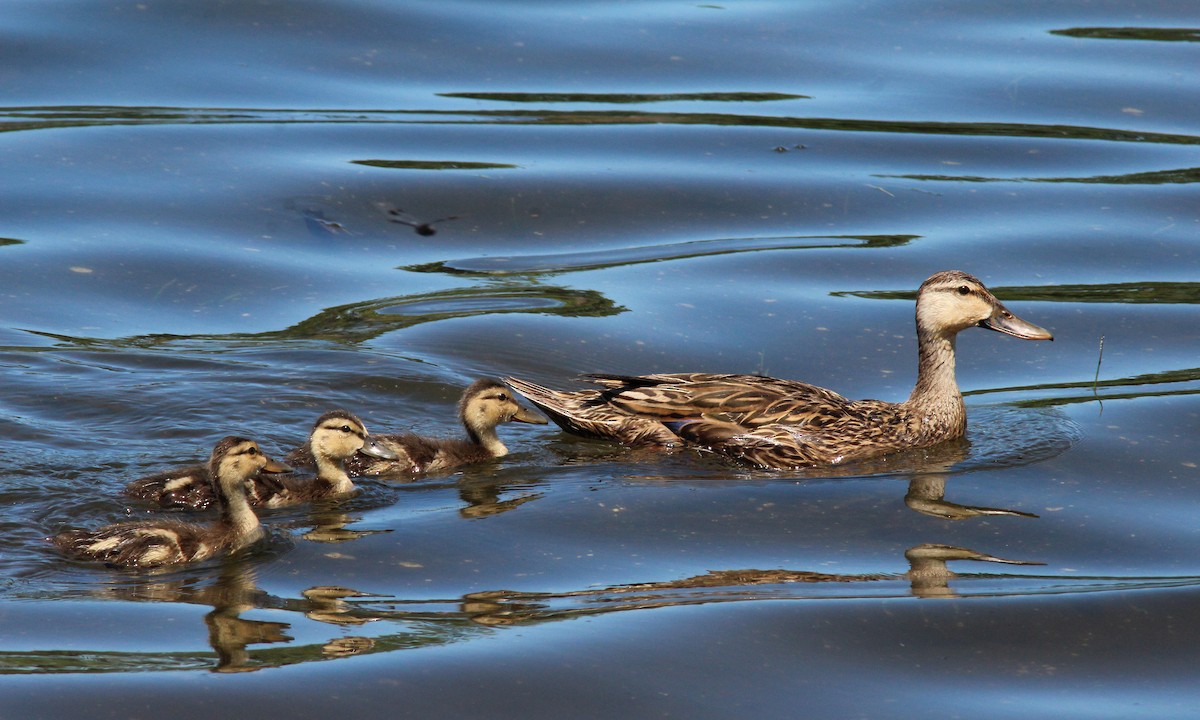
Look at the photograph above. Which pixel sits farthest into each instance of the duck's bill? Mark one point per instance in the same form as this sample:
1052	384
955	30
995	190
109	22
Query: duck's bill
266	476
376	449
274	466
1004	321
529	416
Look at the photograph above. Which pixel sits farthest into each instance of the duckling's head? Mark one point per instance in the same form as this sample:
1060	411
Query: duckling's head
487	403
236	459
339	434
951	301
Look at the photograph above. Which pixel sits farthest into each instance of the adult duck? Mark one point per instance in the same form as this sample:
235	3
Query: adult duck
780	424
156	543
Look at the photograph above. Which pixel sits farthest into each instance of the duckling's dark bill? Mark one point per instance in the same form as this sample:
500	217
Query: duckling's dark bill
526	415
272	468
373	448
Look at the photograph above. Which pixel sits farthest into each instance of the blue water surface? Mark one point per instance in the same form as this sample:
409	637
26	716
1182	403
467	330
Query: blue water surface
216	219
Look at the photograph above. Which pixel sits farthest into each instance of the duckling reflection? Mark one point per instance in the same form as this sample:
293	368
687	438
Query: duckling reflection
327	604
482	499
232	593
235	592
331	526
229	634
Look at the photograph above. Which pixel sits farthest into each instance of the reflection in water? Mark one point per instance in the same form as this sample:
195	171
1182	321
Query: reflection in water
624	98
52	117
620	257
926	495
366	320
1150	292
330	526
1155	177
1184	381
425	228
433	165
1132	33
482	498
422	622
319	225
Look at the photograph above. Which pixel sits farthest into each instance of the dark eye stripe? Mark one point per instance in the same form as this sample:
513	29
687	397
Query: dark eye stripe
342	427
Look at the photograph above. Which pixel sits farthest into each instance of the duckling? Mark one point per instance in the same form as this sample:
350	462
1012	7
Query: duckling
335	436
156	543
782	424
485	404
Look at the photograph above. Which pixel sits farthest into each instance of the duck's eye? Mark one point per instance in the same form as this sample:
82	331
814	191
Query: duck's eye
502	397
252	450
964	290
346	429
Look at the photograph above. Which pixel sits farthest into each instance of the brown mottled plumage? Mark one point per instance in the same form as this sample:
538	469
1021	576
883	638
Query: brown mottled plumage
335	436
485	404
781	424
151	544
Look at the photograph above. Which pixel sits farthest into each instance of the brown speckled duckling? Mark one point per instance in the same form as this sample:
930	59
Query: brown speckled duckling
336	436
783	424
485	404
155	543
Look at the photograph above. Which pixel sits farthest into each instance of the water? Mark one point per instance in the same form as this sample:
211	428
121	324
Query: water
196	241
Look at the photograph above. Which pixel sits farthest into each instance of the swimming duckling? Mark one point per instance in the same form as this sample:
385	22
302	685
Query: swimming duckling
485	404
335	436
780	424
154	543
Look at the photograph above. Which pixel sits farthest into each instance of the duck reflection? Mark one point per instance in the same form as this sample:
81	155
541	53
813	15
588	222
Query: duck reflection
928	471
928	577
422	622
926	495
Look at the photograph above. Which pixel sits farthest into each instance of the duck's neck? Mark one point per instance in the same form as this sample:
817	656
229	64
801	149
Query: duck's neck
331	472
239	517
486	438
936	399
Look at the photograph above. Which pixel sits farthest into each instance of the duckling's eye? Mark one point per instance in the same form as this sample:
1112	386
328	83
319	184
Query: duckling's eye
252	450
502	397
964	290
346	429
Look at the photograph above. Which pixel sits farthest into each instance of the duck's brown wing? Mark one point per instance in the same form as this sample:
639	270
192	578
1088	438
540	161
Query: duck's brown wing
860	431
588	413
745	400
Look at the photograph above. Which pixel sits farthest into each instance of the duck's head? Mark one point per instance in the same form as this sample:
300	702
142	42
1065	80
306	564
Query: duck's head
487	403
339	434
236	459
951	301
